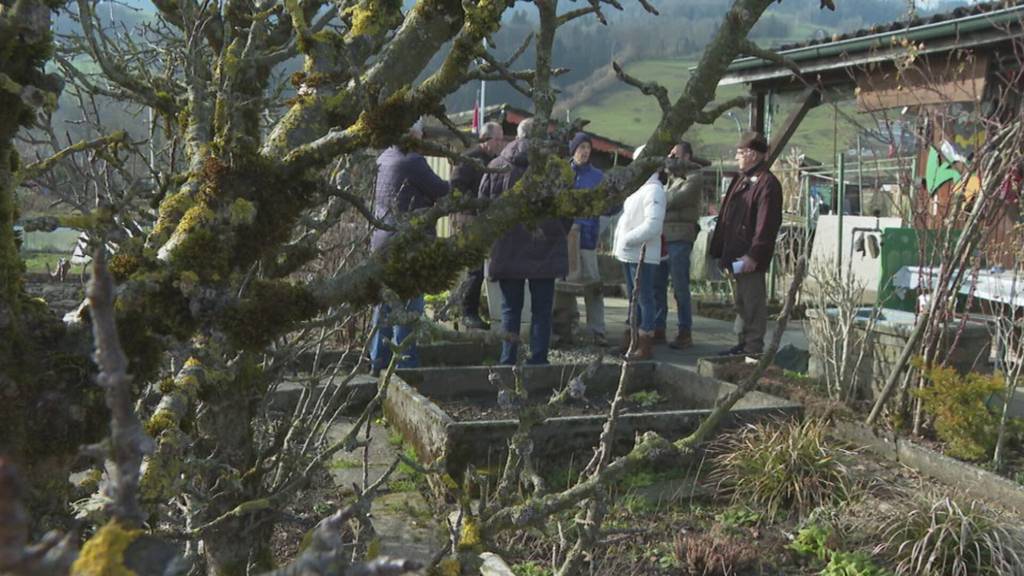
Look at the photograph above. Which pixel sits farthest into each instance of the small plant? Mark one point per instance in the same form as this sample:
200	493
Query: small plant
646	398
738	516
962	418
712	554
782	468
813	540
818	540
944	538
852	564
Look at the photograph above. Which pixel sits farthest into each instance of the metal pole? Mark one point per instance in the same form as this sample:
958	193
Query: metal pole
483	100
841	198
860	174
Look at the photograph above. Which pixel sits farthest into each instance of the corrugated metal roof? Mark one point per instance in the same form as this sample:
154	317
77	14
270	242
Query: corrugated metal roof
899	25
966	27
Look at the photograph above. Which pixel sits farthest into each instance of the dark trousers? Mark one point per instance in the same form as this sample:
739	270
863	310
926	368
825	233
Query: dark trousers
542	300
751	311
471	297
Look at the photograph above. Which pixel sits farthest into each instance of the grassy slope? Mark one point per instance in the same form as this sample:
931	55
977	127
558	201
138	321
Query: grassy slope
624	114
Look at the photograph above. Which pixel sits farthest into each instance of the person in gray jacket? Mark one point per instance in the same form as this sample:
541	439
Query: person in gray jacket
682	210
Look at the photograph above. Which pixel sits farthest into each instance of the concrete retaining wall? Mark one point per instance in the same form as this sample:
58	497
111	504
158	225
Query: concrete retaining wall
979	483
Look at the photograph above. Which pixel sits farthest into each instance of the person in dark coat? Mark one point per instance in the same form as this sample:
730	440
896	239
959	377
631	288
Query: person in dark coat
744	239
538	254
404	183
466	179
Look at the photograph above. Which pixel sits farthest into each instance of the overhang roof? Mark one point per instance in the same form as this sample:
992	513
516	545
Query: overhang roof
966	27
512	115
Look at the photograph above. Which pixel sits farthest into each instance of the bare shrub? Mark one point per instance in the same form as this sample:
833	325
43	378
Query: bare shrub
713	554
835	302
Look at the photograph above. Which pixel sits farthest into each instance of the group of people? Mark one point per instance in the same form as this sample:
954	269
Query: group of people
653	238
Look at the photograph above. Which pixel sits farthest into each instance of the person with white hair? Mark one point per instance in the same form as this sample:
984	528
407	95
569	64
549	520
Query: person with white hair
638	246
405	183
535	254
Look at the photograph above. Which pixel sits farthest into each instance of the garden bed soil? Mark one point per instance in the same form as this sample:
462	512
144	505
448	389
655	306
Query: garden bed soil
595	405
646	527
418	401
779	382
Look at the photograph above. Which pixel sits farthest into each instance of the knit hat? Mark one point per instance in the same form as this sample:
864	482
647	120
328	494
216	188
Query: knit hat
754	141
578	139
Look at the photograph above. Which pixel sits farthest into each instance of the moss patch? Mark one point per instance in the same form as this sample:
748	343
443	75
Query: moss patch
103	554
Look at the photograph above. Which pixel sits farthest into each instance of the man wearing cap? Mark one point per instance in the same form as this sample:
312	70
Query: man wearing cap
466	178
682	210
744	239
587	176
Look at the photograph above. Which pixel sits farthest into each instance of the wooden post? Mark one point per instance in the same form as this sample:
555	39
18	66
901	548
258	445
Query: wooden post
810	99
757	113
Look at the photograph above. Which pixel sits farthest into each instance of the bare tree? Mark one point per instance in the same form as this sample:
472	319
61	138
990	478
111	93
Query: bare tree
210	300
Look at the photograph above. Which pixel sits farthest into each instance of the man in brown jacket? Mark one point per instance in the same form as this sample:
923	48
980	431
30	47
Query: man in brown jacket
744	239
682	211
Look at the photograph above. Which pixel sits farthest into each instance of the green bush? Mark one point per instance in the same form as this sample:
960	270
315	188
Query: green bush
945	538
783	468
958	405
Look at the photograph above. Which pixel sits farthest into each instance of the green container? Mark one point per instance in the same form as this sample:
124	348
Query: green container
907	247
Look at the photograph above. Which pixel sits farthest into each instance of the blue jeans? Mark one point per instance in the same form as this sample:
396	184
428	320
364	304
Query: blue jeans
542	301
380	345
679	266
661	295
646	309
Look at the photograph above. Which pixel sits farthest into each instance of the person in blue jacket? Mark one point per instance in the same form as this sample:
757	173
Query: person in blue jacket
587	176
405	183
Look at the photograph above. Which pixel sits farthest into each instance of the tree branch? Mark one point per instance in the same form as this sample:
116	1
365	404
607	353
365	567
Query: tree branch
36	169
749	48
709	116
659	92
128	441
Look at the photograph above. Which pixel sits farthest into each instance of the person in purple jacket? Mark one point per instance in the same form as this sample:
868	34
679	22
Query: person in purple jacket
587	176
404	183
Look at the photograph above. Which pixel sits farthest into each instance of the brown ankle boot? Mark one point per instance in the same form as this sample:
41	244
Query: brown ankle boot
659	336
644	349
683	340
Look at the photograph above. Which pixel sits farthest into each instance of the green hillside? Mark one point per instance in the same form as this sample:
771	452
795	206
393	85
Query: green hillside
623	113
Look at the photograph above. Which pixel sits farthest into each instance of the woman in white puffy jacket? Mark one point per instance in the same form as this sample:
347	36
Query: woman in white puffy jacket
638	243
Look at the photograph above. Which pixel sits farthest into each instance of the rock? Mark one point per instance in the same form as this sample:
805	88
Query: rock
494	566
791	358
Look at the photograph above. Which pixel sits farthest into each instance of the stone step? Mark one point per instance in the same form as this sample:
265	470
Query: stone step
401	516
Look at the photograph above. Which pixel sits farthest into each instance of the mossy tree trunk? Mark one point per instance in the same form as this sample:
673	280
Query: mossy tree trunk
210	275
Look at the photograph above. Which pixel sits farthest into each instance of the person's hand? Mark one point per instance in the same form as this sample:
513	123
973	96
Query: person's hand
748	265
